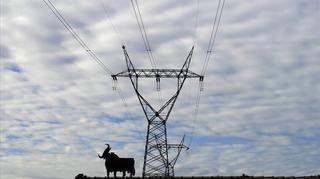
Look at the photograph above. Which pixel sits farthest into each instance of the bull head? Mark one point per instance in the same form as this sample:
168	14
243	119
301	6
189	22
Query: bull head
106	152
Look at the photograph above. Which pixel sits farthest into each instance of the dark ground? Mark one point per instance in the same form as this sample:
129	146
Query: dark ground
81	176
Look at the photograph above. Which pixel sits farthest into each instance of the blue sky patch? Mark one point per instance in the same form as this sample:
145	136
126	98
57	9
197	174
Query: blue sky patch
14	68
220	140
13	151
115	119
12	137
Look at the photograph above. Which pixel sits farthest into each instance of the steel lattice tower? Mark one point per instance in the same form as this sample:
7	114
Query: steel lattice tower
156	157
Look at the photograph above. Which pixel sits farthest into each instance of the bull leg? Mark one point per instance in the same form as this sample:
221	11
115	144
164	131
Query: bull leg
115	174
108	173
123	173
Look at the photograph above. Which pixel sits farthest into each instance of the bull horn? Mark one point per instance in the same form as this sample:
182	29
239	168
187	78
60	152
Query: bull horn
108	146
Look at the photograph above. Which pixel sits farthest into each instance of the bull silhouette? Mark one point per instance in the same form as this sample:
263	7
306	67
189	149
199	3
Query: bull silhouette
114	163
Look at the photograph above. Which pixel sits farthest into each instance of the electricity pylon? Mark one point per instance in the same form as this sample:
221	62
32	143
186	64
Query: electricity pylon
156	157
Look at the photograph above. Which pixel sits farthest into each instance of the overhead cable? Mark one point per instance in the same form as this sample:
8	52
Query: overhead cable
213	34
127	107
195	116
143	33
111	23
137	13
214	31
120	93
86	48
196	23
76	36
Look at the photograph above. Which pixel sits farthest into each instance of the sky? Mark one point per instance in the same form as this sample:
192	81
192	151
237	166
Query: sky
258	114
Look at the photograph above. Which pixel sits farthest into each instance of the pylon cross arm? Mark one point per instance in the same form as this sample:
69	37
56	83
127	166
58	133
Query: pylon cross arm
158	73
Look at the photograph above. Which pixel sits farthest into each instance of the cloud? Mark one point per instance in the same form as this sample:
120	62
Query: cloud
258	114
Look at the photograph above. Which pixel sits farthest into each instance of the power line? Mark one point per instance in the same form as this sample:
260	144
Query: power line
86	48
214	31
213	34
126	106
196	112
76	36
196	23
120	93
113	26
143	33
209	50
137	13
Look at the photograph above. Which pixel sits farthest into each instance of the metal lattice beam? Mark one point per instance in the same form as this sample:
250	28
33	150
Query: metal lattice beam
158	73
